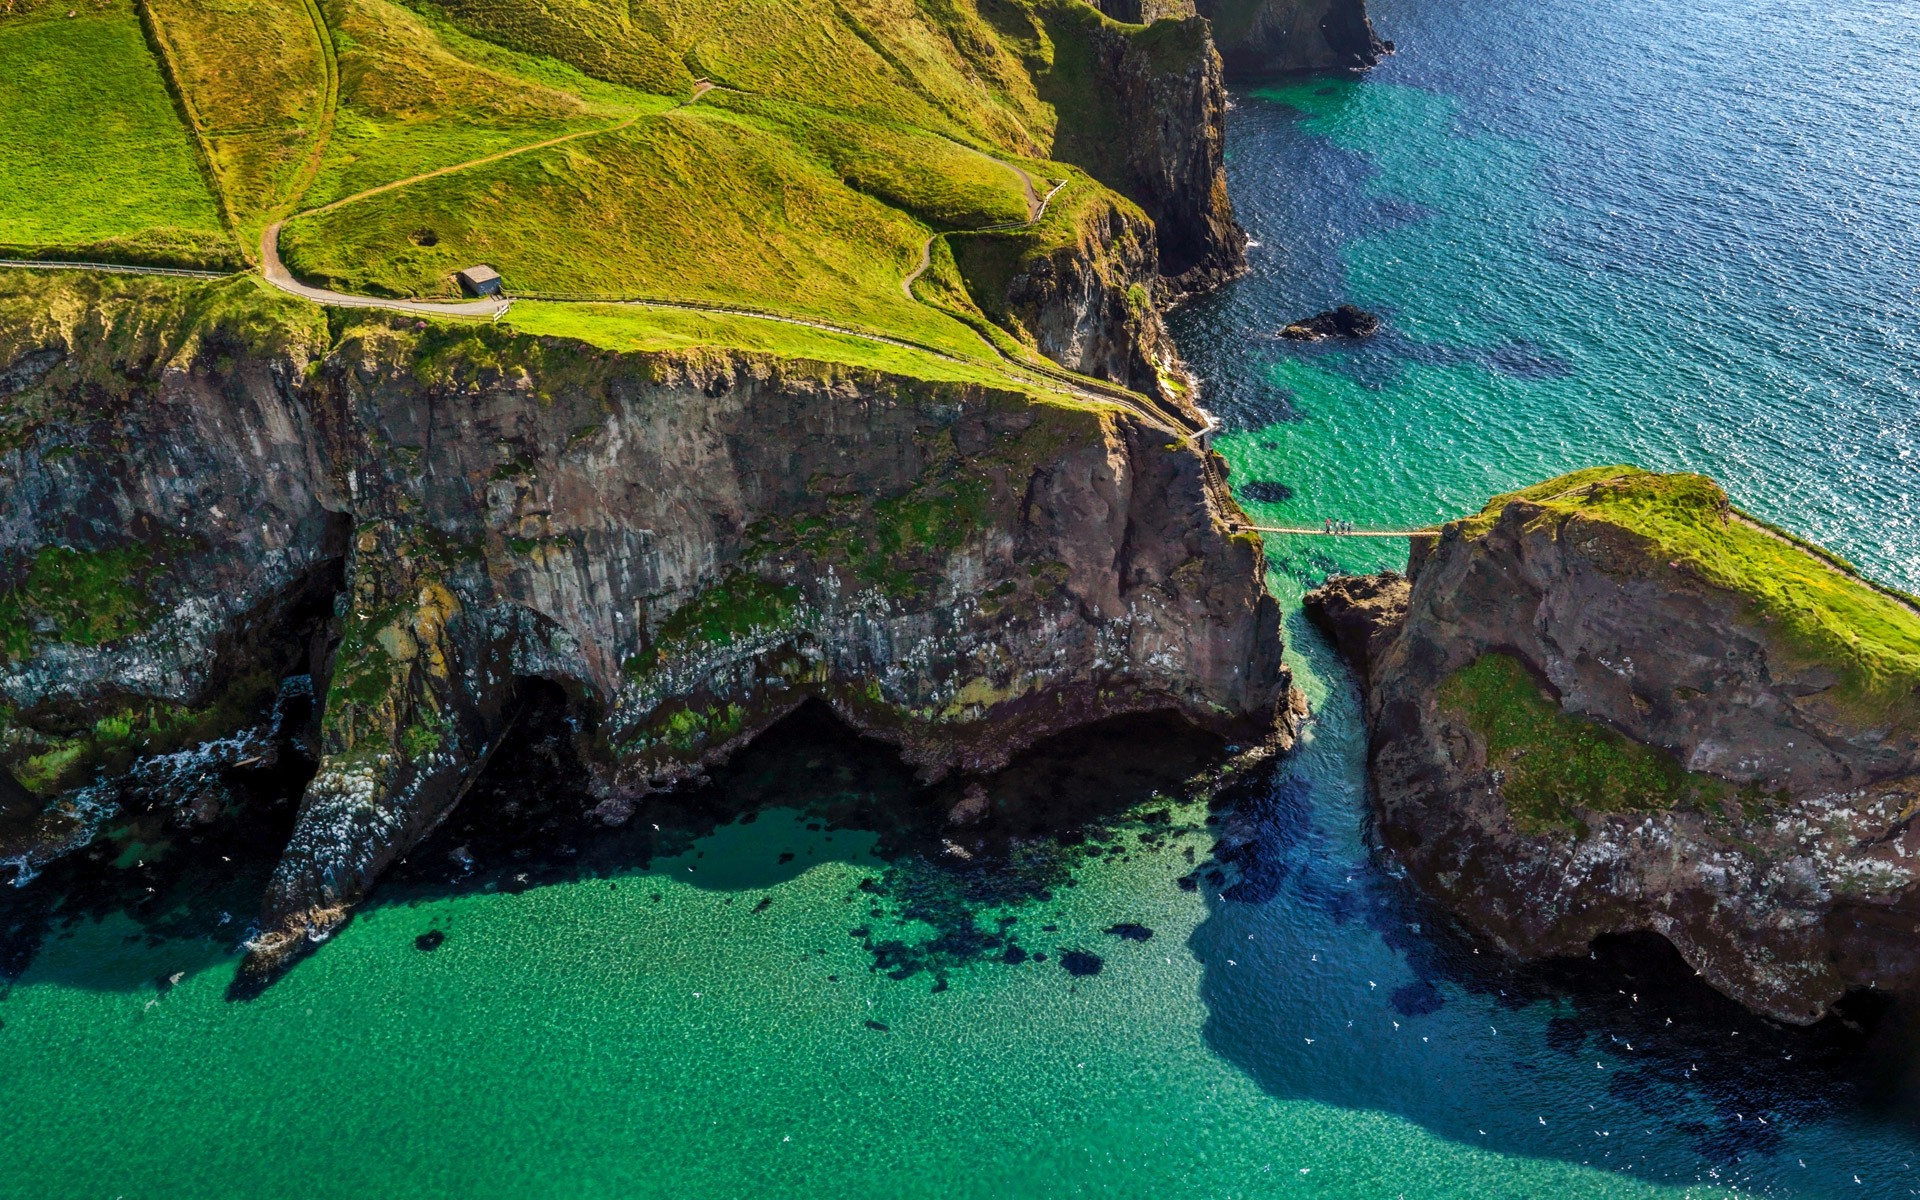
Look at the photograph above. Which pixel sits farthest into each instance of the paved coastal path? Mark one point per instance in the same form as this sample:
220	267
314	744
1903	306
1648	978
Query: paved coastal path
1044	375
50	264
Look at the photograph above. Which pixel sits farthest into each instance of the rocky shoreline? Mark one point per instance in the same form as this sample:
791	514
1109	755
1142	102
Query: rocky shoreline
1613	703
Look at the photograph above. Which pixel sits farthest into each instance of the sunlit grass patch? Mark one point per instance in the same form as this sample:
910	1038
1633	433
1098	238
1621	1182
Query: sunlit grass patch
943	182
255	78
624	327
1553	764
697	205
92	150
1817	607
417	94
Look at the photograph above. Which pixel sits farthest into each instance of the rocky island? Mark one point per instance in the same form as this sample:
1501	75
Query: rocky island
1613	702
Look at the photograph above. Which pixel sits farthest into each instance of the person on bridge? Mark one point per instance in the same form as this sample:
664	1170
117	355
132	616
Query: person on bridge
1327	526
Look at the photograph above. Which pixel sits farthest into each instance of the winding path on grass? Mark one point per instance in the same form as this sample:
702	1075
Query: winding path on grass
274	270
1036	213
276	273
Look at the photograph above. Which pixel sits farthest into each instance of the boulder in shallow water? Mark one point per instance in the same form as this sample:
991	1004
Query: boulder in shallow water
973	808
1345	321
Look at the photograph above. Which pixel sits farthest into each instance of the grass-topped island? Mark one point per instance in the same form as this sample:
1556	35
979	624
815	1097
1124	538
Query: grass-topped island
1613	702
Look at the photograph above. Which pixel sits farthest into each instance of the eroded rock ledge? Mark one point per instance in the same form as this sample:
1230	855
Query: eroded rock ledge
1613	703
207	492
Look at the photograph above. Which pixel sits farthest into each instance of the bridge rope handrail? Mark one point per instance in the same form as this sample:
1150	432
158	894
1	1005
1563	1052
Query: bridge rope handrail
1428	531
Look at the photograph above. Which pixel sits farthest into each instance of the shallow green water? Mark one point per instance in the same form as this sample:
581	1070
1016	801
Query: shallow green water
585	1039
1594	239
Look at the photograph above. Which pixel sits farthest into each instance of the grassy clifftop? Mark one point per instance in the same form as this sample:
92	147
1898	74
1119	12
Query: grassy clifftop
1817	606
790	156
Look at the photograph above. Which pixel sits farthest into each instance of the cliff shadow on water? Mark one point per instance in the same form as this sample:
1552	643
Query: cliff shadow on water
1329	977
952	863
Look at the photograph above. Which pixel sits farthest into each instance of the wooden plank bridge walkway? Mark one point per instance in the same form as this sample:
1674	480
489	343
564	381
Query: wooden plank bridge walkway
1372	533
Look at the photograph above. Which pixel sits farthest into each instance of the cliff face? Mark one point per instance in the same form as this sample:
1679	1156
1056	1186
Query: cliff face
1294	35
1613	703
690	546
1089	301
1154	129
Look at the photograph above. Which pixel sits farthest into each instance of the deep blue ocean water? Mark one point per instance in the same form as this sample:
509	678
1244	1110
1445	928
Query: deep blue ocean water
1682	235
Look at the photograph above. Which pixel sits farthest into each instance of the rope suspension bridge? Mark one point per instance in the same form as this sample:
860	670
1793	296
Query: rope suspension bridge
1306	531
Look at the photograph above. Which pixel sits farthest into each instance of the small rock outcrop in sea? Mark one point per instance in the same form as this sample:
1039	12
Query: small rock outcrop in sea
1614	703
1345	321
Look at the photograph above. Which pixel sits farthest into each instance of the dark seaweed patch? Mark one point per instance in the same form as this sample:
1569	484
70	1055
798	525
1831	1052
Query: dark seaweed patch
1266	491
1081	963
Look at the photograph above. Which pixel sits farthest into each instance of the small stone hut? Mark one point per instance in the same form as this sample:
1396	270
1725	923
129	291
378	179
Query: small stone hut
479	281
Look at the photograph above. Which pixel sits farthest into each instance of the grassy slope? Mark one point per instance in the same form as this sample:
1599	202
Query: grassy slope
92	153
417	94
844	134
943	182
1819	609
732	213
618	328
254	75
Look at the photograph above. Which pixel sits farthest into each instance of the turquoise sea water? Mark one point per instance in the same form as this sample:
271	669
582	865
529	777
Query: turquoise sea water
1681	235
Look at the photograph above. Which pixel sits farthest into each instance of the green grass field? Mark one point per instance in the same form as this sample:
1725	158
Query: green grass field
1554	764
418	94
947	184
254	75
1821	611
842	135
627	328
729	213
93	156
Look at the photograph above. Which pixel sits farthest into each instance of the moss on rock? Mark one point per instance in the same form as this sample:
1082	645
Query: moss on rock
1551	765
1813	605
80	597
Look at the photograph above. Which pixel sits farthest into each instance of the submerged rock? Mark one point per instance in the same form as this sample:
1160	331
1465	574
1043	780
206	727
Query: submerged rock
1613	703
972	808
1266	491
1345	321
1080	963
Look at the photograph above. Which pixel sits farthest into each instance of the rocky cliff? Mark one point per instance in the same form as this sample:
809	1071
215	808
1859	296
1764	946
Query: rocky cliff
1614	703
208	490
1083	290
1153	127
1294	35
